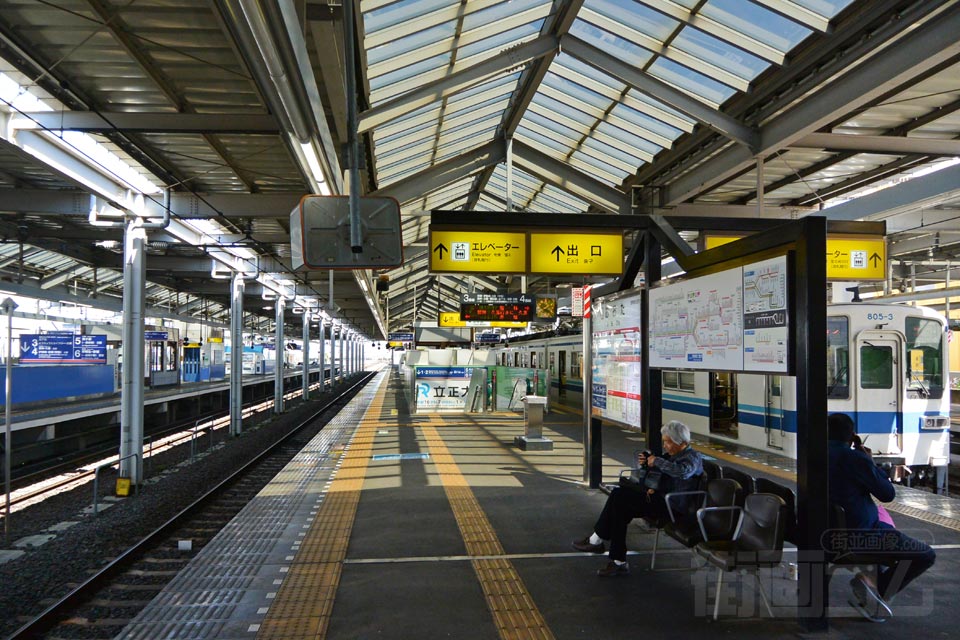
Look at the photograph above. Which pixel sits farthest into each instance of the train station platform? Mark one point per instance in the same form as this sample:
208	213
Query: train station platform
392	525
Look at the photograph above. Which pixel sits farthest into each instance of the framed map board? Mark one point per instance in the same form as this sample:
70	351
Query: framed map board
616	342
733	320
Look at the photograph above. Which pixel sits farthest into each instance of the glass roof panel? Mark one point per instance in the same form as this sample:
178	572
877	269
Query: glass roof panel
583	69
614	45
629	139
596	168
413	42
719	53
397	12
499	12
575	90
640	119
707	89
620	153
501	40
755	21
635	16
827	8
551	124
407	72
559	107
544	143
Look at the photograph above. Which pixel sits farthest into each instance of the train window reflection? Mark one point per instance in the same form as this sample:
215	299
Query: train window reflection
925	357
876	367
838	357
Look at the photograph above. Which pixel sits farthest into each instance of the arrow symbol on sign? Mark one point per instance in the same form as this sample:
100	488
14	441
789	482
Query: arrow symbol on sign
875	258
441	248
557	250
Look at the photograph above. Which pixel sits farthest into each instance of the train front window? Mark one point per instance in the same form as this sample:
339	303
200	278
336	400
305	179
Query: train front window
838	357
876	367
924	357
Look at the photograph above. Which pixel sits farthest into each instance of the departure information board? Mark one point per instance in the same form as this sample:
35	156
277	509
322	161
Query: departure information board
497	307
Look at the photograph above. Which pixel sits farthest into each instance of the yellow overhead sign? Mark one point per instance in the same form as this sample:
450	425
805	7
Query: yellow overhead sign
478	250
853	258
452	319
580	253
848	257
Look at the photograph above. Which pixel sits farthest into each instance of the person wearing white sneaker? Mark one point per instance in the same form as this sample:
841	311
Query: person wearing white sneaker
680	468
853	479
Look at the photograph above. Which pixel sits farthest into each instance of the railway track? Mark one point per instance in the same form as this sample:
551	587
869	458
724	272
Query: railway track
106	602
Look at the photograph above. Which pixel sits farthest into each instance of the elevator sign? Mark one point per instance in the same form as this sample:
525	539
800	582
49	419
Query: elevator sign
62	348
477	251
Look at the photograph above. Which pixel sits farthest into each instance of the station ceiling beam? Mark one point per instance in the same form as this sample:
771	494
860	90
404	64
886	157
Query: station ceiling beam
441	174
893	145
147	122
929	45
559	174
458	81
657	89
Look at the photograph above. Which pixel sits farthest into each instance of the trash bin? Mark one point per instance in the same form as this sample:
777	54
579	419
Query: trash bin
533	439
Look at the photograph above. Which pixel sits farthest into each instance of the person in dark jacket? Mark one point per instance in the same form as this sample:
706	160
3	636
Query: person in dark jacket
680	468
853	479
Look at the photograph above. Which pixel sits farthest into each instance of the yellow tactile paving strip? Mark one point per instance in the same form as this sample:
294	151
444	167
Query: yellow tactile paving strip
304	602
514	612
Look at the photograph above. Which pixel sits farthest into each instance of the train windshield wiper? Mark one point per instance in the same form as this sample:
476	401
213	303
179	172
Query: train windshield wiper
837	379
924	392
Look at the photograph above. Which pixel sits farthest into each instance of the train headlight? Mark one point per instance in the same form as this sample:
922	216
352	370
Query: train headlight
935	423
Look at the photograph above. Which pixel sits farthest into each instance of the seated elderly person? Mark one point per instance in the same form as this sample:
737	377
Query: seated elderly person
680	468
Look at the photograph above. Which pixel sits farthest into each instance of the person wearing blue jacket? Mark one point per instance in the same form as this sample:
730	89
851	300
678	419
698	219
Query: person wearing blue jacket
854	478
681	467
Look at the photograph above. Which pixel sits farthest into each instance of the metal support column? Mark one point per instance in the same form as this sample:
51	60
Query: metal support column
322	355
342	366
236	355
652	395
333	354
131	394
305	366
280	351
589	433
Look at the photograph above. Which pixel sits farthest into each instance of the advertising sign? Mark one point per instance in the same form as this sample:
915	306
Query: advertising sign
62	348
442	388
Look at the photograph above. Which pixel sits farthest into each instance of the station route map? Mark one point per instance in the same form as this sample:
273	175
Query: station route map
765	316
734	320
698	323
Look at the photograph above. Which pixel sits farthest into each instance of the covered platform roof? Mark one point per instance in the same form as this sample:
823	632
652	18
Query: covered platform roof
729	108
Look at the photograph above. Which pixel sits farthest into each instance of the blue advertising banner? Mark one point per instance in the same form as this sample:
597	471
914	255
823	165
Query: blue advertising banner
62	348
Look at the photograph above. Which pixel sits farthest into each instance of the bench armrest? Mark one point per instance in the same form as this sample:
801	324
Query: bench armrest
706	510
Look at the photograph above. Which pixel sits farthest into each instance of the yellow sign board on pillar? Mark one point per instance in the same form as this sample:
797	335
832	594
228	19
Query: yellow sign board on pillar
477	251
576	253
848	257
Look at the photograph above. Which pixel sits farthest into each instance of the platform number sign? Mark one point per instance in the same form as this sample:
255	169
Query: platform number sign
62	348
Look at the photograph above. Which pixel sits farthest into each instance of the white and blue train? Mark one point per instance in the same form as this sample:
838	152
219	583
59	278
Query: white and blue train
886	367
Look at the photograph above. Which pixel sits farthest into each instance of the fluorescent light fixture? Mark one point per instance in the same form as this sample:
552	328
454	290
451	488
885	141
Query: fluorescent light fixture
363	284
314	163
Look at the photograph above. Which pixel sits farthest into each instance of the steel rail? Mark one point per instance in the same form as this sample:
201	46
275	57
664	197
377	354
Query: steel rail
51	616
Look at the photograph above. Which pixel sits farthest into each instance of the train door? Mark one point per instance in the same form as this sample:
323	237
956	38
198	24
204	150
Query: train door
773	411
879	396
562	371
723	404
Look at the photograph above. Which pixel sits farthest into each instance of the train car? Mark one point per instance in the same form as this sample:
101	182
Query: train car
887	367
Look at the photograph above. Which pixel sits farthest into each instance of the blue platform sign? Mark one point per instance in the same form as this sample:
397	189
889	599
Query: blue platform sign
400	336
154	336
62	348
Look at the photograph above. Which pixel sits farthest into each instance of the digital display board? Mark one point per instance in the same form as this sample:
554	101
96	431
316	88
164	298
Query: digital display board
497	307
